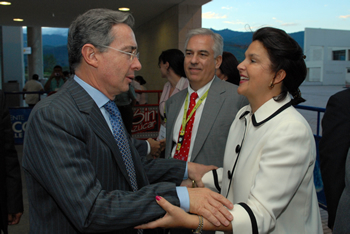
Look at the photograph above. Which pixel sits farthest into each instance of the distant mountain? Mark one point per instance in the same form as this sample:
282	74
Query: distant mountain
298	37
59	52
51	40
234	42
54	40
234	37
55	45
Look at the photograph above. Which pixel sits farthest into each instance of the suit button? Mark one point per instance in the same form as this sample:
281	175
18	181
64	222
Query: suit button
238	149
229	175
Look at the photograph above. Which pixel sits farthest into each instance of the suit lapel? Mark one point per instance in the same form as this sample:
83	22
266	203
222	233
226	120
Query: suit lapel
176	104
211	109
97	122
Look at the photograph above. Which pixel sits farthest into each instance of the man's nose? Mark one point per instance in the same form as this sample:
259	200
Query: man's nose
194	59
136	64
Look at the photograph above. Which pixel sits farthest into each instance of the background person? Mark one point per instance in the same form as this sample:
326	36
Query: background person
66	74
84	174
56	80
11	201
335	163
171	66
139	85
270	152
125	101
33	85
228	69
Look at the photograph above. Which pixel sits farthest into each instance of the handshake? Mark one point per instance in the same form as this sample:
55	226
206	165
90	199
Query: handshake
212	208
156	147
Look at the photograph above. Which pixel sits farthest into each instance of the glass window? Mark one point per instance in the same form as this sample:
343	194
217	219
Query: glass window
339	55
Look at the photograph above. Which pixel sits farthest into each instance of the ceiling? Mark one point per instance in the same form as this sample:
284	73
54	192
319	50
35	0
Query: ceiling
54	13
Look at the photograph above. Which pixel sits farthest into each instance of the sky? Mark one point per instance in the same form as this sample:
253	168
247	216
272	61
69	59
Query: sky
291	16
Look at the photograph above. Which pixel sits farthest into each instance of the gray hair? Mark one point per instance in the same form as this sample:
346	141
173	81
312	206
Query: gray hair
93	27
218	47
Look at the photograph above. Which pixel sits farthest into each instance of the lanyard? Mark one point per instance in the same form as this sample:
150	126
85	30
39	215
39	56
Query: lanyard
185	120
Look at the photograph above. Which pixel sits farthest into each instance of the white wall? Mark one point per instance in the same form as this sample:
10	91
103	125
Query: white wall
319	45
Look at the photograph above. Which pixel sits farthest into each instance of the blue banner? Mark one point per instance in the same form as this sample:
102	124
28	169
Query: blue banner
19	118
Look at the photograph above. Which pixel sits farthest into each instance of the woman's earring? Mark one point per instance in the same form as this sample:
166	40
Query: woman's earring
272	85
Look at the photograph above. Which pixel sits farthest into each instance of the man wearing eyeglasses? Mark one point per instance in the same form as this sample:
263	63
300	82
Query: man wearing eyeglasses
83	173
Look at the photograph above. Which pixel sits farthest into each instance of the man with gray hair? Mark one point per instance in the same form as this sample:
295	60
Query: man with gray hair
84	175
211	105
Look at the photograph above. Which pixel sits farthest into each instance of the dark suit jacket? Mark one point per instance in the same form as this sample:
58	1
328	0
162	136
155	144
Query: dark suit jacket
77	181
334	147
10	175
221	106
341	223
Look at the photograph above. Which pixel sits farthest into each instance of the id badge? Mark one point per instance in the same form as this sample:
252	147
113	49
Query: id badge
162	133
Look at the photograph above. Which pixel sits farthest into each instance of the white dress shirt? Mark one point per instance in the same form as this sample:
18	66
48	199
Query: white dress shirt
178	123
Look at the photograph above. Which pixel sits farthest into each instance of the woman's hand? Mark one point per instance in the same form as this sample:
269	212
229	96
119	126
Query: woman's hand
174	218
178	218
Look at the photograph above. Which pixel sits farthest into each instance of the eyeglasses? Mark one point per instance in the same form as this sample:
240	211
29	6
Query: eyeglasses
132	55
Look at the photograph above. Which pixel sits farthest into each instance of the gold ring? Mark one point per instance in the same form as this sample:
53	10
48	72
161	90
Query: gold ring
193	184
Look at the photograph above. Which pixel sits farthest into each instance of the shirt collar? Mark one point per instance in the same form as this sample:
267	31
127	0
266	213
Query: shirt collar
180	84
202	90
99	98
269	110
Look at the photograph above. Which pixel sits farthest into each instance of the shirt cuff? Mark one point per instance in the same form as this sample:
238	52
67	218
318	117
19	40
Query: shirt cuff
186	173
148	148
184	198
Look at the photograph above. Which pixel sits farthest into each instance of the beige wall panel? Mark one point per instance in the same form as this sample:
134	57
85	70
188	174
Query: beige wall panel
166	31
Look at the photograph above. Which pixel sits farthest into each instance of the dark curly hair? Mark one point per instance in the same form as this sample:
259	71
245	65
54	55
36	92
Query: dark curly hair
284	53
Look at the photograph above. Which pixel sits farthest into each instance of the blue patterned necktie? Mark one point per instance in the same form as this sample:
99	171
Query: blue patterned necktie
121	139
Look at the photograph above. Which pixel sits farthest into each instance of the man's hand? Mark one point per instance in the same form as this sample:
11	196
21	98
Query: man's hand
162	144
14	218
196	172
187	183
210	205
156	147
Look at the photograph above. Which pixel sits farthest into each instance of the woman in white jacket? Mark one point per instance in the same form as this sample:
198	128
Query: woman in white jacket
270	152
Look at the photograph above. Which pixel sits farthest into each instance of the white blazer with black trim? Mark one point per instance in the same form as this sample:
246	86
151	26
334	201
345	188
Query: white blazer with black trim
271	186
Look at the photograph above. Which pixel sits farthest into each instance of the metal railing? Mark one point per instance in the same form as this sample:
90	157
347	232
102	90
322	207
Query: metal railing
319	110
317	174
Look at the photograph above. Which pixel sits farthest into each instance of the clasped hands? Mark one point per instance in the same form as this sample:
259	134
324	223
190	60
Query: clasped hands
211	205
156	147
203	201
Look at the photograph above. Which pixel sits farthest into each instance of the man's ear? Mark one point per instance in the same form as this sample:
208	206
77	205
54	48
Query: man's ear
89	54
218	61
280	75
